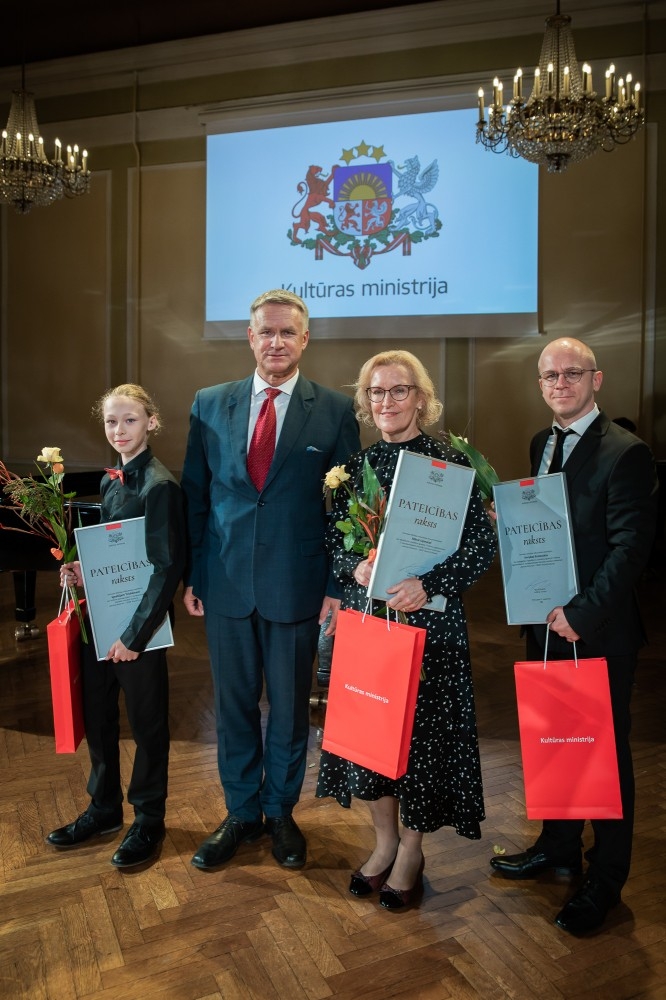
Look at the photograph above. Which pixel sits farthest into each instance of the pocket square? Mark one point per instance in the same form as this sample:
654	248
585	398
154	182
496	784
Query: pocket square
311	447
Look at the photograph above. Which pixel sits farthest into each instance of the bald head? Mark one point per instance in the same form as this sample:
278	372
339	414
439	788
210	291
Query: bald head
573	348
568	378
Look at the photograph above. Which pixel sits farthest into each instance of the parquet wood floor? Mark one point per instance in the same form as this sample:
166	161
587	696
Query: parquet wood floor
71	926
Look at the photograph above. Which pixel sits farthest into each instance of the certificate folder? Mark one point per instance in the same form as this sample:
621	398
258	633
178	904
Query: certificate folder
424	521
536	547
116	571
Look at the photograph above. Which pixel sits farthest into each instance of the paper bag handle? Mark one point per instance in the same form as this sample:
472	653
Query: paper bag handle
545	651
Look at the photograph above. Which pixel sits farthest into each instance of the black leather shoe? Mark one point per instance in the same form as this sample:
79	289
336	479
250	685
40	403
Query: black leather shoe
289	847
85	826
140	844
532	863
223	844
587	910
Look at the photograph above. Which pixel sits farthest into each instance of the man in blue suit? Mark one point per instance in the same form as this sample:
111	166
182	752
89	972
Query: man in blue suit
260	569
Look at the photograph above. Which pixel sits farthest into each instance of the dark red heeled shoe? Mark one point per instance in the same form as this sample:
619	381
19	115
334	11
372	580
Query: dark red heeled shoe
364	885
401	899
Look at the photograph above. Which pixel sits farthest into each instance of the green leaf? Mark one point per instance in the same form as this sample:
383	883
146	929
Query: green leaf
486	476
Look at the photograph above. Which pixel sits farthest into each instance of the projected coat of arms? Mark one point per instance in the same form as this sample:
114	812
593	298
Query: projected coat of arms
363	209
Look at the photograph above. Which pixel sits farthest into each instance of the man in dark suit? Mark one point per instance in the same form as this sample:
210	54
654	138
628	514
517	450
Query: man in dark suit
612	486
260	569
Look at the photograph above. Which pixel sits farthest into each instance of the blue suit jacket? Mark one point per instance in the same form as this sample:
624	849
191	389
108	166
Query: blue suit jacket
263	550
612	486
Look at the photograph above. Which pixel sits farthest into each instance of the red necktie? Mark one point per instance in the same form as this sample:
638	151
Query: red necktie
262	445
116	474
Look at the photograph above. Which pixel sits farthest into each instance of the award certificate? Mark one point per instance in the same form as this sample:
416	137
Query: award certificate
536	548
424	521
116	571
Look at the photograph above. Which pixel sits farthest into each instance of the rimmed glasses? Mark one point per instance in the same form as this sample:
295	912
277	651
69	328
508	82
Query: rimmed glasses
571	375
398	392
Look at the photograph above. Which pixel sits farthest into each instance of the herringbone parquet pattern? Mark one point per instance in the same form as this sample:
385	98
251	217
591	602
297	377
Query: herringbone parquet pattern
71	926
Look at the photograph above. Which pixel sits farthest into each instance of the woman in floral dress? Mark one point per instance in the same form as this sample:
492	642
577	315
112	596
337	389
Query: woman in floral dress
442	786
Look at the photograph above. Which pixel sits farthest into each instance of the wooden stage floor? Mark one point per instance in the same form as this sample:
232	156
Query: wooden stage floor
71	926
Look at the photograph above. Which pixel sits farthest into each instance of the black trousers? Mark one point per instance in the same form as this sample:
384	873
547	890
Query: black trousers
145	685
610	856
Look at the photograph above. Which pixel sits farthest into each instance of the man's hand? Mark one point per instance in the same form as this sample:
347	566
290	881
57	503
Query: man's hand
193	604
559	624
331	604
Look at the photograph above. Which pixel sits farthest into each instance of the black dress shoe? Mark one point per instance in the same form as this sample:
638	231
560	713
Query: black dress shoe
289	847
85	826
532	863
140	844
401	899
587	910
223	844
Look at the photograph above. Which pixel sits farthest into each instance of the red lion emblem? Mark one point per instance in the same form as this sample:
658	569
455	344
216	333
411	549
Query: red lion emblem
314	191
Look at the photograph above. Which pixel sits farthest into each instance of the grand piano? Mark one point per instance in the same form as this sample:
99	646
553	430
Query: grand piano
26	555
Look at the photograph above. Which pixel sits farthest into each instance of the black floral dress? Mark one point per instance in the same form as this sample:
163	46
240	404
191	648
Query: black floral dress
442	786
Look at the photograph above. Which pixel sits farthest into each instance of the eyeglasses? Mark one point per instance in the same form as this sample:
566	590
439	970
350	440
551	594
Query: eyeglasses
572	375
397	392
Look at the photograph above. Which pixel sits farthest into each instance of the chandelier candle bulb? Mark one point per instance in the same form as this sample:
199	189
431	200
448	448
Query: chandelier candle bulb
58	151
84	160
500	96
482	116
637	92
566	83
587	79
550	78
495	91
537	82
627	82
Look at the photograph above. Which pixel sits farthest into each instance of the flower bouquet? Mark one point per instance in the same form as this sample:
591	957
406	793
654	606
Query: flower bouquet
44	507
366	509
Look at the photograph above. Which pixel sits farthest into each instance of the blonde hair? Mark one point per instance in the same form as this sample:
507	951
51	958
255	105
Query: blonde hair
432	407
281	297
132	391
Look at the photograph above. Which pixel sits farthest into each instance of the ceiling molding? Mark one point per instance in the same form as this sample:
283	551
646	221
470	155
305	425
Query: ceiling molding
443	22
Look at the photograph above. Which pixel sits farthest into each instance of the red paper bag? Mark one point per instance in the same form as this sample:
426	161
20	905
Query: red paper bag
567	740
64	642
372	691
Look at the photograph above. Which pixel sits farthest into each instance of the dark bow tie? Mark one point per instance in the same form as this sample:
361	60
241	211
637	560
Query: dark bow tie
116	474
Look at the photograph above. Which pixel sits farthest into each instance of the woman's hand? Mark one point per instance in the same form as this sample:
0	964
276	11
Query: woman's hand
70	575
408	595
119	653
363	572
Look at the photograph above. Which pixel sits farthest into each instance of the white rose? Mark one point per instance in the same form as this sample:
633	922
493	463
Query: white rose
50	455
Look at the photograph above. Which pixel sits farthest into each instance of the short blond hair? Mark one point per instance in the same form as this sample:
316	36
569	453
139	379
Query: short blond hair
432	407
281	297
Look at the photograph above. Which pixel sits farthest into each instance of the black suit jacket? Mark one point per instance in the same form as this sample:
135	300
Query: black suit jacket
612	486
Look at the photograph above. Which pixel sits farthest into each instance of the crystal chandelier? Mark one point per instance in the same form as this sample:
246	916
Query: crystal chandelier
27	176
563	121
